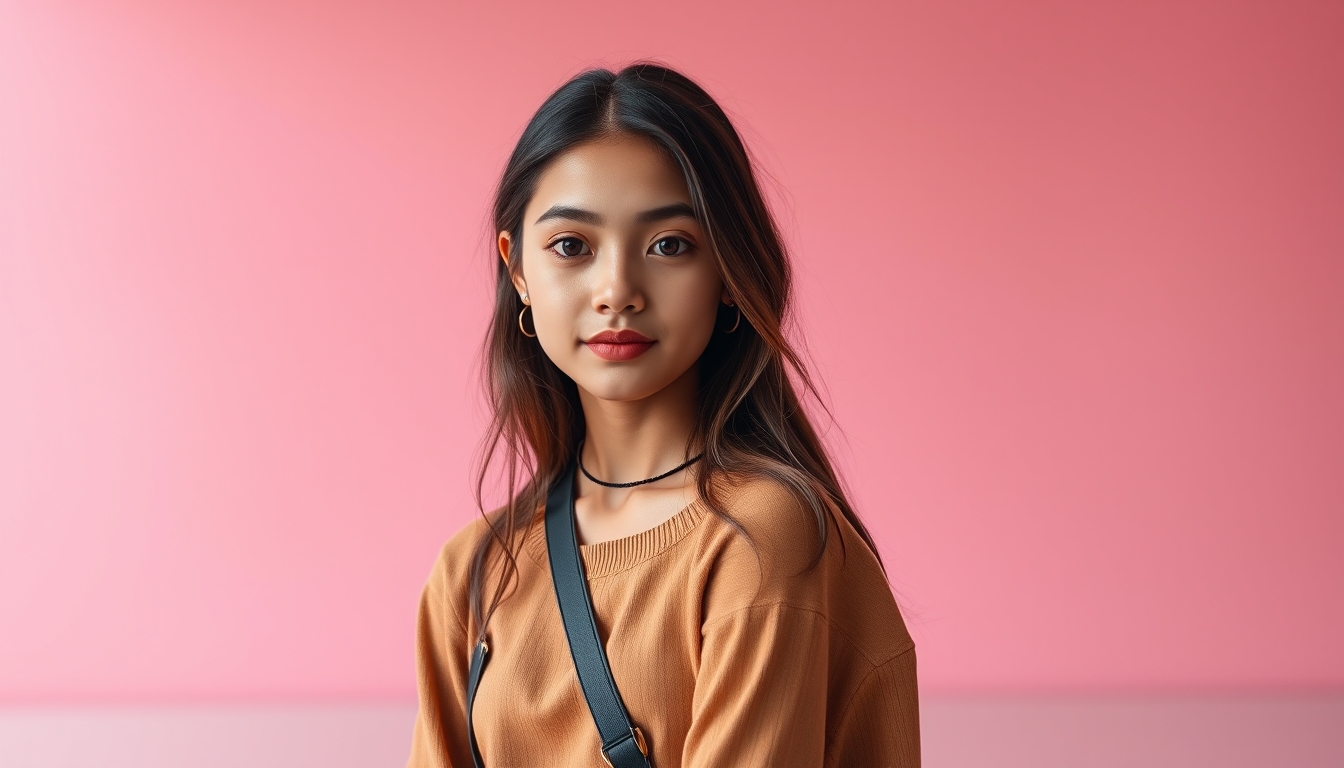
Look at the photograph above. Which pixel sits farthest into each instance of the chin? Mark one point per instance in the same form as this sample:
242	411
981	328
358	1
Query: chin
621	386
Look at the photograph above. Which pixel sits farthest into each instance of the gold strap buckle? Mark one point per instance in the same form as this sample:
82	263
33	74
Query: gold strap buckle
639	742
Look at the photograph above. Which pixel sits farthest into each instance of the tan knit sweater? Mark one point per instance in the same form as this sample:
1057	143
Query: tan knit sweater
720	661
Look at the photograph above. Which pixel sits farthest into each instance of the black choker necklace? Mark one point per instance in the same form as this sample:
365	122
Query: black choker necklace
668	473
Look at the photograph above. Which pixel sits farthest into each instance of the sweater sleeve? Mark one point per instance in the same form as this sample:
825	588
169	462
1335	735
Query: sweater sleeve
880	725
439	738
799	667
761	691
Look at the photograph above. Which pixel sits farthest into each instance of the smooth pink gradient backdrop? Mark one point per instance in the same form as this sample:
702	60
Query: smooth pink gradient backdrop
1072	275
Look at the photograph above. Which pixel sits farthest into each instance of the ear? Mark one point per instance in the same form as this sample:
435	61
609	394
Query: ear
505	245
725	296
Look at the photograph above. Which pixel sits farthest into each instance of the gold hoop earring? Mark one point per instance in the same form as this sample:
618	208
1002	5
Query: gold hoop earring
520	322
736	321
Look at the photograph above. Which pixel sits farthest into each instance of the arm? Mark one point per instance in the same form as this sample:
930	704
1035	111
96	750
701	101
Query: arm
761	692
880	725
799	667
439	739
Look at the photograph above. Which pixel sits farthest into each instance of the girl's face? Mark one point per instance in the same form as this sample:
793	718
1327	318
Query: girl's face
611	247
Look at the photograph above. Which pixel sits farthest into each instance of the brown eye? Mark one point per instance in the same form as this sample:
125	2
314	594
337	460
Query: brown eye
671	246
569	246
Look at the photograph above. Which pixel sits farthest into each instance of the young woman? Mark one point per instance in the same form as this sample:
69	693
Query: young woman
744	611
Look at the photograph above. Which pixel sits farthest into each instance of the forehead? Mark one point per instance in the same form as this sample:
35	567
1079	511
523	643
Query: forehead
617	177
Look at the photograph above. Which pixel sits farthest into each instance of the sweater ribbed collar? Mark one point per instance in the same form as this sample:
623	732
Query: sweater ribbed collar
607	557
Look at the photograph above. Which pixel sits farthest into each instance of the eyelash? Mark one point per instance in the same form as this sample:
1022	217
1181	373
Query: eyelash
687	246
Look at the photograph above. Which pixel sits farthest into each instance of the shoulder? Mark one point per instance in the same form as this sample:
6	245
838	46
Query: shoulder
447	589
780	525
451	570
786	564
763	549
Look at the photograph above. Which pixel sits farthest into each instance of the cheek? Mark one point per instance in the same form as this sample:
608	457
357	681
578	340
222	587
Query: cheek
692	311
555	323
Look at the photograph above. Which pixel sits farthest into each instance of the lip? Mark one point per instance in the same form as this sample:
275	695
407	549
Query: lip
623	336
619	345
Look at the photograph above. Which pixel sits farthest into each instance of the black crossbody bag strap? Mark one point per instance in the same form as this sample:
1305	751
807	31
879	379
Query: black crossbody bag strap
479	655
623	744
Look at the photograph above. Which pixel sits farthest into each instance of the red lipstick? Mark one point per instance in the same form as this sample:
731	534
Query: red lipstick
619	345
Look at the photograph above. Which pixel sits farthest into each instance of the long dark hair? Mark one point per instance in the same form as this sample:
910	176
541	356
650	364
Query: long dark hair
750	420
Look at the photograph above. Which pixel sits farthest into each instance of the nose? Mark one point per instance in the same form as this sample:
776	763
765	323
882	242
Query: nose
618	281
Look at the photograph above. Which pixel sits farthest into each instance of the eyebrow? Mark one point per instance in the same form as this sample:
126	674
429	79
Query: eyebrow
673	211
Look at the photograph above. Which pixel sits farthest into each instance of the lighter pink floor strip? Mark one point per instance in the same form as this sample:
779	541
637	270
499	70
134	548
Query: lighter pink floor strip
1302	731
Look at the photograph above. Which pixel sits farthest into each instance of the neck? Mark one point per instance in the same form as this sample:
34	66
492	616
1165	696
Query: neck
638	439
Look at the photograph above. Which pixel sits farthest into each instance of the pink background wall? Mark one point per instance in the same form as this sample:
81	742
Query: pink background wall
1072	276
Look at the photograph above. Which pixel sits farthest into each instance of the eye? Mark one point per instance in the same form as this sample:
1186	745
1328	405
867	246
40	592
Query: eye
671	246
568	247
